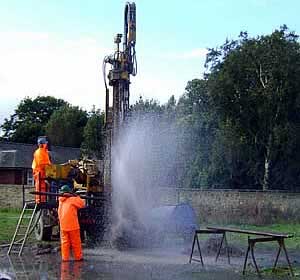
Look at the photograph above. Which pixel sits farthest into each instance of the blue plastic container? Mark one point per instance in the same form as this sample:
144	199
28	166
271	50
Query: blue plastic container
177	219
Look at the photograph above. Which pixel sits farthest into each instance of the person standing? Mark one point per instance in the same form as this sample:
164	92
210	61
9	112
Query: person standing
69	226
40	160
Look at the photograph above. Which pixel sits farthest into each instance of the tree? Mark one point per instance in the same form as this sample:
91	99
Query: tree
197	119
93	136
255	85
66	126
170	110
148	106
30	118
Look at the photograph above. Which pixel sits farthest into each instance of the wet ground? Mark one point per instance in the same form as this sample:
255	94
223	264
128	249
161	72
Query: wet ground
112	264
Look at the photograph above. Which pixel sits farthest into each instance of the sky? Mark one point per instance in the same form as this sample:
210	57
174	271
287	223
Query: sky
56	47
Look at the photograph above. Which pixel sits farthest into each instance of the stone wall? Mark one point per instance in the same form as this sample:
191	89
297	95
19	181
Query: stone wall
238	207
11	196
211	206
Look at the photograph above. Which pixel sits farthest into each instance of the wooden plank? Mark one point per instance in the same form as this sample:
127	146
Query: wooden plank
208	231
254	232
263	239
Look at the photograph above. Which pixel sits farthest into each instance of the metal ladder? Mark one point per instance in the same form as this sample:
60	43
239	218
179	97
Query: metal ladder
25	222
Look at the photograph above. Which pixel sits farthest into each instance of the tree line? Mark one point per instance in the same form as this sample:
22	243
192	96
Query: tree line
241	120
64	124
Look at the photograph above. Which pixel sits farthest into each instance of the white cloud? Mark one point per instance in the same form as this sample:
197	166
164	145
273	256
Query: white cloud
191	54
149	86
44	64
37	63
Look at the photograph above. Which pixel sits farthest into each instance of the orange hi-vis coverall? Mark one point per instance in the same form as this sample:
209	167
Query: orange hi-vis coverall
69	226
40	160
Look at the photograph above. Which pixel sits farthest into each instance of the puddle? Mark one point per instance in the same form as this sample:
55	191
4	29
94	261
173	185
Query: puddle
108	264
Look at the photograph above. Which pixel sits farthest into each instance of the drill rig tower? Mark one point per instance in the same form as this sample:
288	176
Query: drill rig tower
123	64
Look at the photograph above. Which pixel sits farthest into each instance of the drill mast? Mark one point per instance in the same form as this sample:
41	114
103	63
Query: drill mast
123	64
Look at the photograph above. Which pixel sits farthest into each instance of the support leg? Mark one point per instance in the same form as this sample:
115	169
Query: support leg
253	258
246	258
287	257
277	256
219	251
227	248
192	252
199	249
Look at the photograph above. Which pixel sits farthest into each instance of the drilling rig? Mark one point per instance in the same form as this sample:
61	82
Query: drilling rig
89	178
123	64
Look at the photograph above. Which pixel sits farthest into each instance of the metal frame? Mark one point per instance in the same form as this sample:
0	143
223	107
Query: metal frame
251	245
266	237
208	231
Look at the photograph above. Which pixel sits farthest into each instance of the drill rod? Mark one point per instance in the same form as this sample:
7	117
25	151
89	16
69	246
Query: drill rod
71	194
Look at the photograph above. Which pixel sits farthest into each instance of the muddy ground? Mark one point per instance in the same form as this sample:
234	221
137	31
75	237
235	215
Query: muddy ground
160	263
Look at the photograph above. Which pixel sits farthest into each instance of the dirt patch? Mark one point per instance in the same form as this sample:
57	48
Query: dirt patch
211	247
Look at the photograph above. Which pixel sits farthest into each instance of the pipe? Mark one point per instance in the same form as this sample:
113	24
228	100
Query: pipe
70	194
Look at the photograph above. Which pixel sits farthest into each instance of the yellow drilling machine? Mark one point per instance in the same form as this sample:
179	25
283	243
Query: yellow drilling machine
89	178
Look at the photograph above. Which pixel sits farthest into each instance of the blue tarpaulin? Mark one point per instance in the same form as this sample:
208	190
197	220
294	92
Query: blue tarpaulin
178	218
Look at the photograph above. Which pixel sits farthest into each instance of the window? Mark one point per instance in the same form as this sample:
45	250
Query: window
30	180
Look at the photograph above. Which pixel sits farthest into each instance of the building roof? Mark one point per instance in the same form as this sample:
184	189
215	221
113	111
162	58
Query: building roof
19	155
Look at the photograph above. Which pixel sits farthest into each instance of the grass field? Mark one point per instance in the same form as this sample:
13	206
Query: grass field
8	222
291	243
9	219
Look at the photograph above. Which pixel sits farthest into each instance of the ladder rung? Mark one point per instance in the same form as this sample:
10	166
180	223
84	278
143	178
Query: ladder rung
30	205
28	213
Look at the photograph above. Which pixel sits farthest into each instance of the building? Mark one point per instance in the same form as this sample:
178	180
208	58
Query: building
16	160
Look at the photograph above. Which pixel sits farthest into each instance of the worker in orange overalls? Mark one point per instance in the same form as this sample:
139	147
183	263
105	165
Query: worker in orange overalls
40	160
69	225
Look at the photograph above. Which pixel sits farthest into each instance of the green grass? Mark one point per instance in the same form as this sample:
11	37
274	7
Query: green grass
291	243
281	271
8	222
